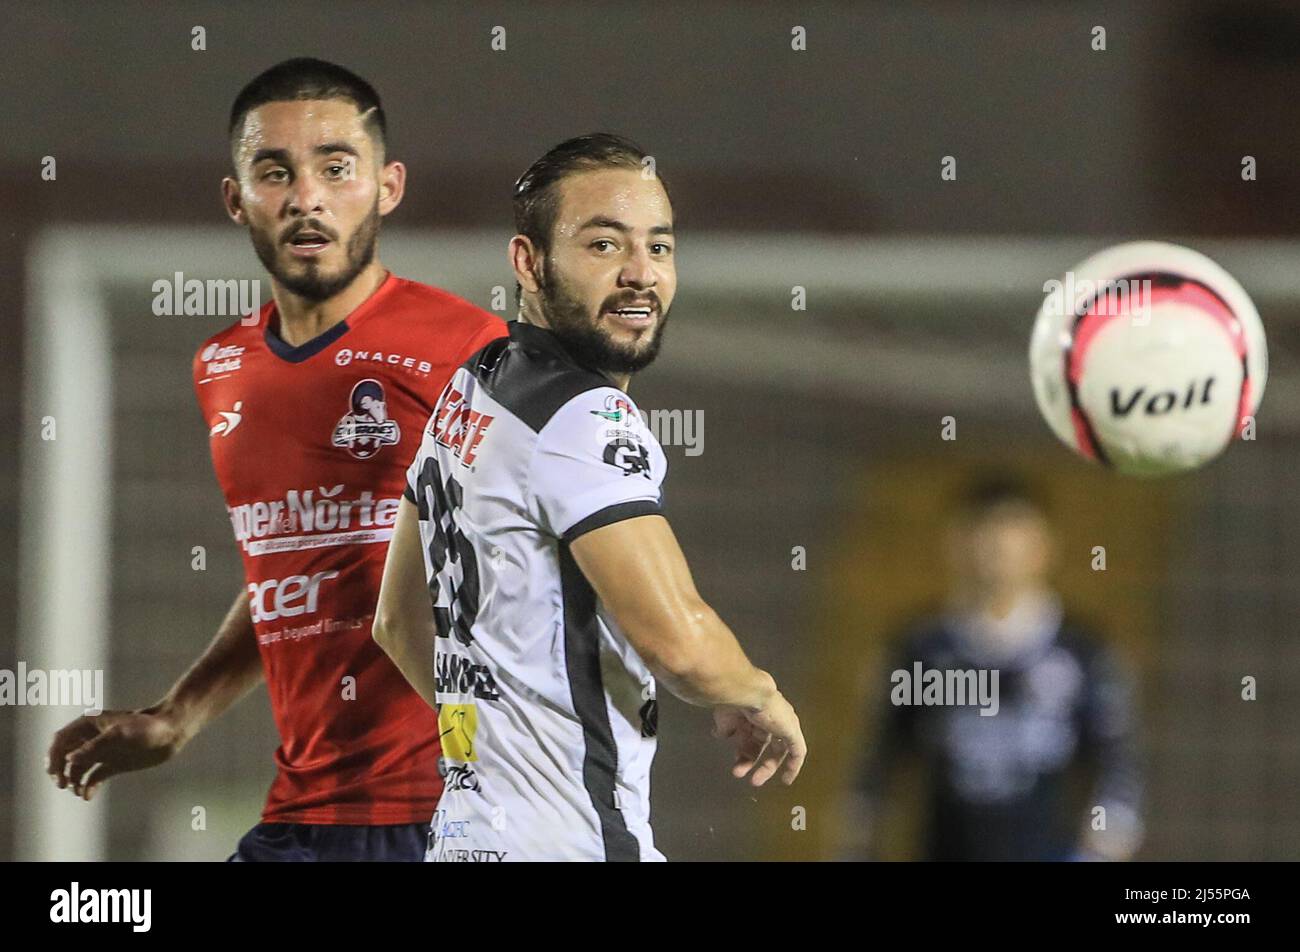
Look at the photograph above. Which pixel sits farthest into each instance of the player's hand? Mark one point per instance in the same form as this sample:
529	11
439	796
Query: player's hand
767	741
91	749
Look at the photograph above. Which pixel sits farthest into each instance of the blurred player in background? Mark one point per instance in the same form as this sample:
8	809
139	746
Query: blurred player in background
314	410
999	787
534	506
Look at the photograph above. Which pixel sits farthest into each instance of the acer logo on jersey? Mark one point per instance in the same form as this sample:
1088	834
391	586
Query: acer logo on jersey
289	596
459	428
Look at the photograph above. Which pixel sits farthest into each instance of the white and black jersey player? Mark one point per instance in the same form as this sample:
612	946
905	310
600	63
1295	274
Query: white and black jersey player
531	558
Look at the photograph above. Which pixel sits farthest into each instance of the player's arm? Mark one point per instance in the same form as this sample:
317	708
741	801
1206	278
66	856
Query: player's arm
1110	739
91	749
404	625
637	568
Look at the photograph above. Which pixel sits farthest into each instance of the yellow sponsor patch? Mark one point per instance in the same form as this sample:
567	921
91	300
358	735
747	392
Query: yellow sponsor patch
457	724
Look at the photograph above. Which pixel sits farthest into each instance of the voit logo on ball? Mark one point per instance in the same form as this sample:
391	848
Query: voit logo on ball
366	429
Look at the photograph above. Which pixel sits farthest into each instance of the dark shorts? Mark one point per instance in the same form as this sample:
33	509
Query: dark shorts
317	843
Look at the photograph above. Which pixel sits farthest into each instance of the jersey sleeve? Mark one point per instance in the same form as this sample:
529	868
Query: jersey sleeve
196	374
595	463
1111	737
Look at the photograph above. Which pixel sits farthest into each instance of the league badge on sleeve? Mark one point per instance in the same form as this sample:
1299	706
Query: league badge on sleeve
619	433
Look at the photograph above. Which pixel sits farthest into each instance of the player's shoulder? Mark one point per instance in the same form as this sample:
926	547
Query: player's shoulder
421	316
226	344
1080	623
1081	635
601	402
424	302
924	635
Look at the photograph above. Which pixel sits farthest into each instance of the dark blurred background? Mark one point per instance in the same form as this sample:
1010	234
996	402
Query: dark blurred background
817	168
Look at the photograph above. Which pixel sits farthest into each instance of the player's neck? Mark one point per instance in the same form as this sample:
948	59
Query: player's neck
530	316
302	319
1009	620
999	602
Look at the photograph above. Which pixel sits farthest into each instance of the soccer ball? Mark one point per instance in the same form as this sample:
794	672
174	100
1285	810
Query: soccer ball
1148	358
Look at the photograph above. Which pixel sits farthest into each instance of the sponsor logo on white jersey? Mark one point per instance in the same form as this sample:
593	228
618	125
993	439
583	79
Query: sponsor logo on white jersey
226	420
347	355
458	427
312	519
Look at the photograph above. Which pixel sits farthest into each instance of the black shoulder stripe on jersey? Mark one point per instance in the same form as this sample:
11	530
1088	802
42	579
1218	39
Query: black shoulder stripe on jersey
582	664
611	514
485	358
531	375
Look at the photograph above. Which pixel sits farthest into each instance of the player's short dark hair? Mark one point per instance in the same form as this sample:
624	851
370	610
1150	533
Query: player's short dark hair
536	199
307	78
988	492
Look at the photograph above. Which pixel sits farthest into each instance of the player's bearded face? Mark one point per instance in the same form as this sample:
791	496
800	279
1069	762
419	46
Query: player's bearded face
314	278
584	328
608	277
307	194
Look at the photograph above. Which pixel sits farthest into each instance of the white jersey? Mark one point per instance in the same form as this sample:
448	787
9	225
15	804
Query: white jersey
547	715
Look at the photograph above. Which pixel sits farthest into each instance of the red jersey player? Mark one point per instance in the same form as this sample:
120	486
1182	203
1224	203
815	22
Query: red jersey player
314	411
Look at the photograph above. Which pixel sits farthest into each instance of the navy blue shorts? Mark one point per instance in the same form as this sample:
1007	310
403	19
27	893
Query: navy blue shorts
318	843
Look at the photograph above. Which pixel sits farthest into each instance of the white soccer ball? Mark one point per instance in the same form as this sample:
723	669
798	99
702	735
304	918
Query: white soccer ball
1148	358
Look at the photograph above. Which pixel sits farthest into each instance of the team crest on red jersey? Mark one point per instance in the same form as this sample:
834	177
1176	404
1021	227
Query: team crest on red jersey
366	428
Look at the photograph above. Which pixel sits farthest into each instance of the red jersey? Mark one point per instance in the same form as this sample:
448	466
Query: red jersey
310	445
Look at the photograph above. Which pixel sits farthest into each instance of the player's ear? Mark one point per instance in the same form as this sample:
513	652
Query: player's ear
525	260
392	186
233	200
